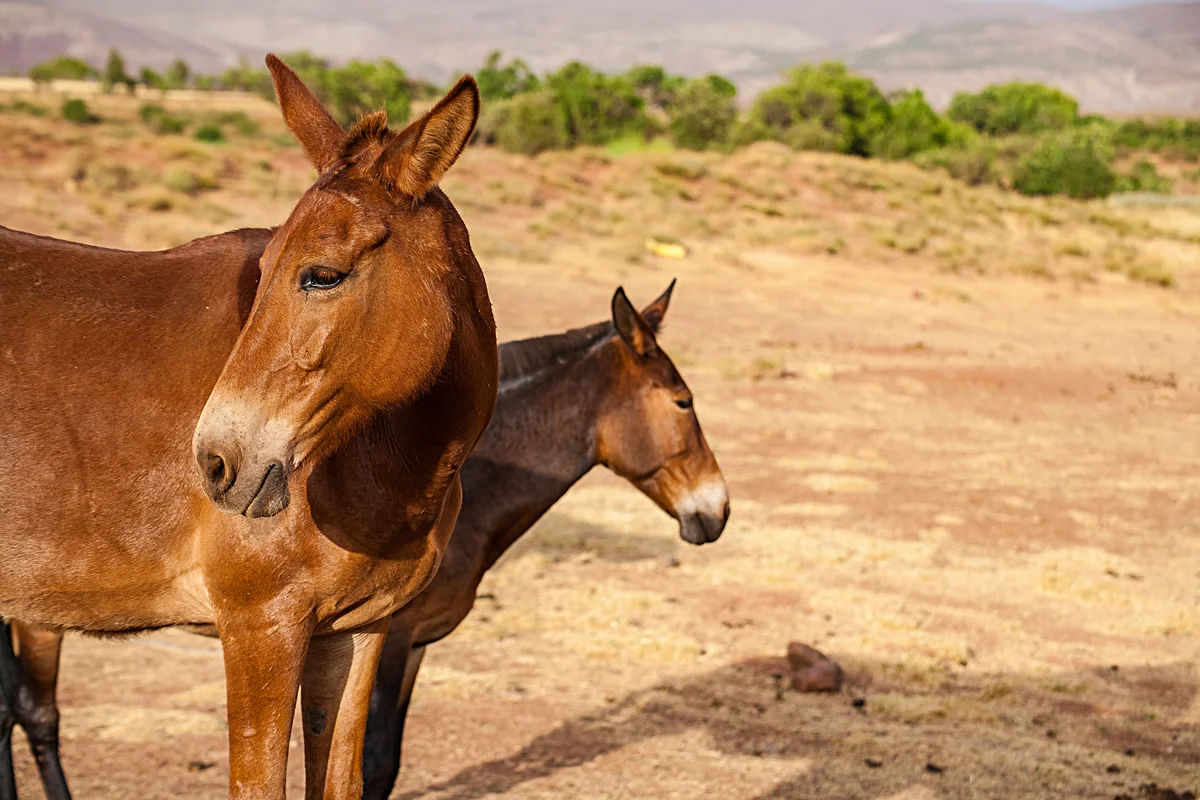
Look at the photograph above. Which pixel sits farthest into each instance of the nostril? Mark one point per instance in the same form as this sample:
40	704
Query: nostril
725	513
218	472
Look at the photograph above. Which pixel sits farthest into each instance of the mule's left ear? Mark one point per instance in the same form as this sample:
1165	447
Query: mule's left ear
420	154
319	134
654	313
632	329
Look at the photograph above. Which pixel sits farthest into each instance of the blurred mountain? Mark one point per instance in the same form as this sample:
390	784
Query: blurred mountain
1115	59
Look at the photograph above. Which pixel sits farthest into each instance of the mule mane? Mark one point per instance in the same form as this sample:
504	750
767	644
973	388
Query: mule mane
370	128
528	357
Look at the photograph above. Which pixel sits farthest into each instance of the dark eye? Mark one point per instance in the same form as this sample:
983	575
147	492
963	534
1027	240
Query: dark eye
320	279
685	404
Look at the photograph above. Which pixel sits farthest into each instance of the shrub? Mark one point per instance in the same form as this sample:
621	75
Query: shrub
656	86
158	120
178	74
848	107
595	107
115	74
975	162
240	120
209	132
501	81
75	110
1144	178
1074	163
528	123
65	67
152	80
912	127
702	112
1015	108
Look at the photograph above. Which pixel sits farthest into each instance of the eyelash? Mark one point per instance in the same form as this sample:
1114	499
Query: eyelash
321	279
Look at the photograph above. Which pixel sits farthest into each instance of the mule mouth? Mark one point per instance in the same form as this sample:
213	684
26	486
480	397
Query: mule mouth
272	495
700	529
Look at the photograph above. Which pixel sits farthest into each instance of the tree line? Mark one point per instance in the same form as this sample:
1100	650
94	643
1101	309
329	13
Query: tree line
1025	136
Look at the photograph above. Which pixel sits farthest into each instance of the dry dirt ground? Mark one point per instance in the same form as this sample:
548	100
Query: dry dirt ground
960	432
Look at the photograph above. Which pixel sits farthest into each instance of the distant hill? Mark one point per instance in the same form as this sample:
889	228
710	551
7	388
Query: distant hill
1125	59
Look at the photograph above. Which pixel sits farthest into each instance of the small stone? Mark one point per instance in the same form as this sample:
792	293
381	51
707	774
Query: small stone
1112	769
668	561
200	766
1128	751
873	763
858	702
934	768
1051	734
812	670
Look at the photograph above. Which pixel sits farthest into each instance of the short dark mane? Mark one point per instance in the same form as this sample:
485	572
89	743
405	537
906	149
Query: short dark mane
529	356
371	128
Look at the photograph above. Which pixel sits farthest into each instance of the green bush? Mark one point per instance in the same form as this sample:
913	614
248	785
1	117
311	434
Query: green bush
1074	163
152	80
656	86
158	120
848	108
595	107
975	162
912	127
527	123
1144	178
209	132
702	112
64	67
240	120
499	81
1015	108
178	74
115	74
75	110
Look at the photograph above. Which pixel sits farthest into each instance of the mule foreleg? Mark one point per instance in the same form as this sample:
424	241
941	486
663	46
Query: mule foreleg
389	707
263	665
9	669
338	676
36	707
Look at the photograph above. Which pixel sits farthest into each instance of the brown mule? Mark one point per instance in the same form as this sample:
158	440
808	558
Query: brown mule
364	374
606	394
599	397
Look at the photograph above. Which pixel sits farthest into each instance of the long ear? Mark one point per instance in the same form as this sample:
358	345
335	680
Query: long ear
632	329
319	134
421	153
654	313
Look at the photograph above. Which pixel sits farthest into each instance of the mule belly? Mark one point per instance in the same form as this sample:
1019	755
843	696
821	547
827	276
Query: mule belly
128	608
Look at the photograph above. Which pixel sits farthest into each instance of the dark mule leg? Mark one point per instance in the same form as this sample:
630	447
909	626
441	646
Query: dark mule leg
389	707
9	677
36	707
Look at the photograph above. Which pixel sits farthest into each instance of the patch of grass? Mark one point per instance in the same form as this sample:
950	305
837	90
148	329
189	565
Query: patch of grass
636	143
186	181
77	111
685	169
1153	274
25	107
240	121
209	132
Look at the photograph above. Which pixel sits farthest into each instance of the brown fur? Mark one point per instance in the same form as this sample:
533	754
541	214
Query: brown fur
343	419
581	371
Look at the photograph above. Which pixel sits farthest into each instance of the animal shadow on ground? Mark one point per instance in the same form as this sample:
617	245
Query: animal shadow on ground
892	731
562	536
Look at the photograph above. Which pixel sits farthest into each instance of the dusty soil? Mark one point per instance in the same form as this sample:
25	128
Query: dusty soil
960	432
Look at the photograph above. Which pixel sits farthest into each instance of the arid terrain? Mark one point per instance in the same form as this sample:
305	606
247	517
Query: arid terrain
961	431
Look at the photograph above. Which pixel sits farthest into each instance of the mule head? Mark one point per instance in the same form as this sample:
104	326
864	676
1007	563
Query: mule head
648	432
355	309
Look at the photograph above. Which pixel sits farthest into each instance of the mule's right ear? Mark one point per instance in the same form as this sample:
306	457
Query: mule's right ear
632	329
420	154
319	134
654	313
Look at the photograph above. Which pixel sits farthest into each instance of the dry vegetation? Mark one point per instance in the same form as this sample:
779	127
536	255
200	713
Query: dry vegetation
959	428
